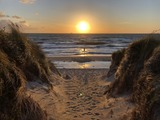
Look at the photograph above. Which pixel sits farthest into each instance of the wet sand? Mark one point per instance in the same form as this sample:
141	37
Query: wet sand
80	58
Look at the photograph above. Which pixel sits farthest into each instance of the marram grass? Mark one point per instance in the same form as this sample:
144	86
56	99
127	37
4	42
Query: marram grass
138	75
21	61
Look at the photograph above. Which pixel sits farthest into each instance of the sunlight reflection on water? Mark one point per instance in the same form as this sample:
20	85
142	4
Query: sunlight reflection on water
85	65
83	52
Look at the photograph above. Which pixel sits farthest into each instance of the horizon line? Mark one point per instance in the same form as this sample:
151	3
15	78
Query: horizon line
82	33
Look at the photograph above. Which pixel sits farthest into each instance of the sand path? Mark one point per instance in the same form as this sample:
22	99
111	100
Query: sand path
85	94
80	97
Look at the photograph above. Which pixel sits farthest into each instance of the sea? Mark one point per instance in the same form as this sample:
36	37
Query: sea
66	45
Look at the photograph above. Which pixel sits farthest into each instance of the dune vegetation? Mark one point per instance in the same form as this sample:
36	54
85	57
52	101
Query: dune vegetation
138	75
21	61
116	59
147	90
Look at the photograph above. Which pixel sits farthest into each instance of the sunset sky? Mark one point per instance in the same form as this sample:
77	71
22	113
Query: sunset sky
62	16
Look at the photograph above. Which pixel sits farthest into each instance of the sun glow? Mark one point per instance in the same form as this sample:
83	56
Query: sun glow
83	27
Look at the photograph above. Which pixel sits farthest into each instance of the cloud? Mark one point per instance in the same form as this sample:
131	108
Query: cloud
27	1
4	23
5	20
36	13
16	17
24	23
20	24
125	23
2	14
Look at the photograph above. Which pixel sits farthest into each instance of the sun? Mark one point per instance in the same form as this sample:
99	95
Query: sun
83	27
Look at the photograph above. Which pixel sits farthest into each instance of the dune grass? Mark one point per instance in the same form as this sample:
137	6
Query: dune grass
132	63
115	62
14	104
21	61
147	90
138	75
26	55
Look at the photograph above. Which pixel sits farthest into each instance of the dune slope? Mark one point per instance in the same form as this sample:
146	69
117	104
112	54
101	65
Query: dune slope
21	61
137	75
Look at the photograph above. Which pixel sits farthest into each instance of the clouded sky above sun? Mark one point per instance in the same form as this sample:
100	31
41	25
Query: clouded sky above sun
63	16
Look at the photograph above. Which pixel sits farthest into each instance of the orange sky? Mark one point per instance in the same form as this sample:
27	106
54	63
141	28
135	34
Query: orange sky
62	16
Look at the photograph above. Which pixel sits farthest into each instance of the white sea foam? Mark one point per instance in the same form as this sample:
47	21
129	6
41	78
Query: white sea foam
74	44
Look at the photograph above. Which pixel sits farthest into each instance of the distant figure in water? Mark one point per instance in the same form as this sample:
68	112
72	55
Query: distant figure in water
84	49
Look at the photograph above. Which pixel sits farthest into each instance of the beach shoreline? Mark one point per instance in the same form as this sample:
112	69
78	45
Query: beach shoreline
81	62
81	57
92	87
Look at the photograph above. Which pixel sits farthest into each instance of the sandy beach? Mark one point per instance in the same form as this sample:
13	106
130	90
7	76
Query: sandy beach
79	95
43	91
58	79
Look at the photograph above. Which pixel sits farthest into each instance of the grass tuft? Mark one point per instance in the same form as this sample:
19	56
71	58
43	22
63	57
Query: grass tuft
21	61
116	60
147	90
26	55
138	74
132	63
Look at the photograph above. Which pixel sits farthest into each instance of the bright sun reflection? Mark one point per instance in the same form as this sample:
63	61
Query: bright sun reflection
83	27
83	52
84	66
